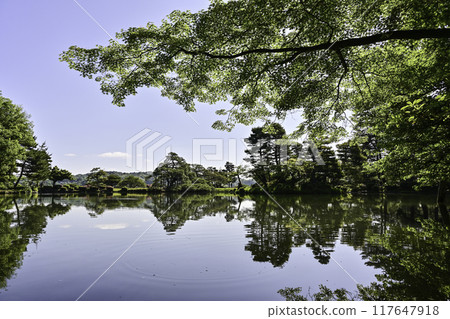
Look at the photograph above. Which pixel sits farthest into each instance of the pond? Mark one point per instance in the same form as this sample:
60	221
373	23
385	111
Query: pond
206	247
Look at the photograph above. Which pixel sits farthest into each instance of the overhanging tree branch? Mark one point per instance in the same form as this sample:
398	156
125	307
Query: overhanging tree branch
353	42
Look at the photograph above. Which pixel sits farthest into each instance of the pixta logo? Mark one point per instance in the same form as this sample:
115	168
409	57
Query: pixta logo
147	149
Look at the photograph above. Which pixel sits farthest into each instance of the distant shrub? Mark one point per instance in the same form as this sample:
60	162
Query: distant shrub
197	188
132	182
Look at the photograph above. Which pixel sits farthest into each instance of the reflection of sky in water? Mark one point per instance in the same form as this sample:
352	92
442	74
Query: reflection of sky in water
111	226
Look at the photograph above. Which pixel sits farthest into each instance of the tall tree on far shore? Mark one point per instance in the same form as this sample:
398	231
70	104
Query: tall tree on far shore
173	173
97	177
264	152
131	181
37	166
352	164
16	138
230	172
113	180
57	175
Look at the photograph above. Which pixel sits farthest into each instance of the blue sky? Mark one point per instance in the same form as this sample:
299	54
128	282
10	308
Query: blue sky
81	127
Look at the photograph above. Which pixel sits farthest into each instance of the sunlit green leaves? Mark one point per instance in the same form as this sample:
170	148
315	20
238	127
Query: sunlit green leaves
16	136
213	56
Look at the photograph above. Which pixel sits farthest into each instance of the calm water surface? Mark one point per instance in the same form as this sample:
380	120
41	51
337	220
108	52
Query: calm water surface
201	247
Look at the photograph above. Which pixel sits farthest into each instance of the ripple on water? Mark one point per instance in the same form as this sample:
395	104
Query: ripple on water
196	264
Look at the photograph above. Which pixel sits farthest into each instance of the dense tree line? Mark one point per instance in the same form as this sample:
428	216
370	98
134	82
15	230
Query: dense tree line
175	174
280	164
276	164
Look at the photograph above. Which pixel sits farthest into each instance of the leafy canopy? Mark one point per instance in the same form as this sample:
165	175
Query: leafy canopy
37	166
57	174
16	137
97	177
130	181
266	57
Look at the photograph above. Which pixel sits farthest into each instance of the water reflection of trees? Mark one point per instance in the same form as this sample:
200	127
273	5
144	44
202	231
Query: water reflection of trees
318	222
22	221
403	236
97	205
173	211
270	239
272	233
415	264
382	229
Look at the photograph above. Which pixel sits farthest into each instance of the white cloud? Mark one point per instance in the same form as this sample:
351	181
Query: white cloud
111	226
70	155
113	155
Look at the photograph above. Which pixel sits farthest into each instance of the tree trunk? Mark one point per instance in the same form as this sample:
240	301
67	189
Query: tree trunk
442	189
239	181
425	211
442	33
20	176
